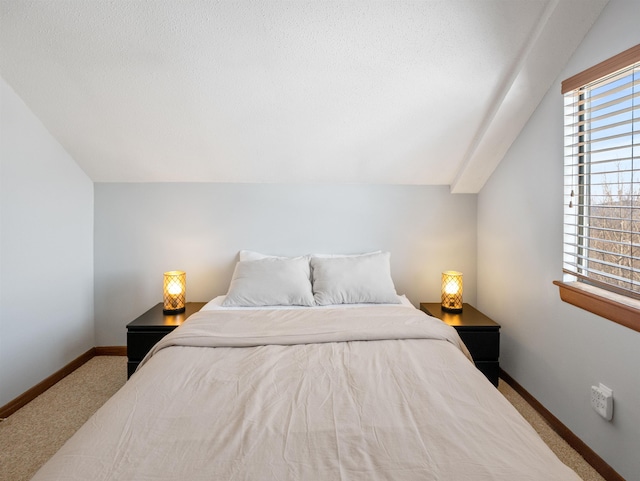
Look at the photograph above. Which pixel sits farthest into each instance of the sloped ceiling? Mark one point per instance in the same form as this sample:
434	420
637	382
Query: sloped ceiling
386	92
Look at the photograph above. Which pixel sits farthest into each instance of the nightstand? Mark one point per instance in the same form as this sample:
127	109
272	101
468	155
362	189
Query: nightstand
145	331
480	334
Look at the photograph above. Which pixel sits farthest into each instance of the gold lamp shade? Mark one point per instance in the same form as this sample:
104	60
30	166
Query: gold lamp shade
175	288
452	291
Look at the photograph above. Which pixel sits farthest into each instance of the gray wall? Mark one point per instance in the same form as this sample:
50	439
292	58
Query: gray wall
46	252
142	230
555	350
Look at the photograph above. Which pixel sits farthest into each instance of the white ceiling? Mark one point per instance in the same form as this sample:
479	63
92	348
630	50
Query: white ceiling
386	92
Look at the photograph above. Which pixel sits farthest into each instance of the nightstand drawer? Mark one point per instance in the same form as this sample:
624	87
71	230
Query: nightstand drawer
140	343
483	345
480	334
491	369
146	330
131	368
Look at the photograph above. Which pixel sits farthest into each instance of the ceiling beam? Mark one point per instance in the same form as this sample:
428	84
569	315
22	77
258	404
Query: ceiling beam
530	78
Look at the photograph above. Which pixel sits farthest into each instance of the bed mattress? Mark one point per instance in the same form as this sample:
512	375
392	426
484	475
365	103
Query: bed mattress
367	393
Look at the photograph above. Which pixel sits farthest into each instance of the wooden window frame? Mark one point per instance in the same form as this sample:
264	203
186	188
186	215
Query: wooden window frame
606	67
615	307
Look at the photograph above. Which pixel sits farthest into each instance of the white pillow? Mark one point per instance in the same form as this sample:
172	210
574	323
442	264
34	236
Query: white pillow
254	256
353	280
331	256
270	282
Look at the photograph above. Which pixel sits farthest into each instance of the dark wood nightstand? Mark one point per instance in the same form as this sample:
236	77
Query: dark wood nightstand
145	331
480	334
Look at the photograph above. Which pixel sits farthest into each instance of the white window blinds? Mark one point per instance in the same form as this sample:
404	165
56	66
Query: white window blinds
602	181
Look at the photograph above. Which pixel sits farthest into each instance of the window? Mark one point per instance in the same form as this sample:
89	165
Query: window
602	175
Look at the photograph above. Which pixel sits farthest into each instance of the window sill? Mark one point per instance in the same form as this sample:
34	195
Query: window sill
615	307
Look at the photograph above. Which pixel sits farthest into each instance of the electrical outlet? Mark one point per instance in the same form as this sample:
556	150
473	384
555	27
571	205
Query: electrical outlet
602	401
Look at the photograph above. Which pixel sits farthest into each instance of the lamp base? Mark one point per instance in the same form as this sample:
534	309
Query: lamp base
173	311
451	309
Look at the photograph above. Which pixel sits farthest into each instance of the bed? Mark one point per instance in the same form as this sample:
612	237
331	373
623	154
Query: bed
348	391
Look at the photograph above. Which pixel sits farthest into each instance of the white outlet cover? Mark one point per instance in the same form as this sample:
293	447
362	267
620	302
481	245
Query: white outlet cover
602	401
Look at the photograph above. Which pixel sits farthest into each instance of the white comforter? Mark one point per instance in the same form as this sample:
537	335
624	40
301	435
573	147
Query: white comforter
374	393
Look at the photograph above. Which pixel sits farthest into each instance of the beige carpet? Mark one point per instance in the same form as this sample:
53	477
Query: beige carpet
34	433
558	445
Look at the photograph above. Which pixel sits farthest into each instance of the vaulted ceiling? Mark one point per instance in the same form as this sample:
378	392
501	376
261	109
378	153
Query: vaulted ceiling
385	92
